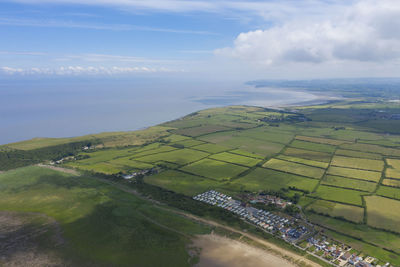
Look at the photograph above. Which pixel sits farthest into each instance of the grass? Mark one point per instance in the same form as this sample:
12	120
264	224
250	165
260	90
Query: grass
349	183
182	183
321	140
101	224
393	171
179	156
358	163
245	153
351	213
201	130
234	158
383	213
264	179
354	173
188	143
304	161
339	195
313	146
372	149
389	192
211	148
101	167
214	169
307	154
268	134
391	182
296	168
357	154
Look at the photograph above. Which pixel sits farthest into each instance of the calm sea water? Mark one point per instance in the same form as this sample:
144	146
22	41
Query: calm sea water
65	108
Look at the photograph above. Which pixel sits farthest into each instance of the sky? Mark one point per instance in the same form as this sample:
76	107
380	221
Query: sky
201	39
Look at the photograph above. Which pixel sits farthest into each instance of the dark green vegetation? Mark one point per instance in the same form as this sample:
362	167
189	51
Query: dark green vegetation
342	158
102	225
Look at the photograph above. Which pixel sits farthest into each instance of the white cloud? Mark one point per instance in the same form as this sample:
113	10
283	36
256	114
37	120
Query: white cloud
81	70
367	31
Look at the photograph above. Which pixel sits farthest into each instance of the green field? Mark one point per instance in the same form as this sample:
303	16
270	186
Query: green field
390	192
393	170
102	226
383	213
179	156
307	154
357	154
358	163
211	148
201	130
214	169
265	179
182	183
354	173
237	159
351	213
339	181
391	182
339	195
313	146
312	163
321	140
245	153
295	168
372	149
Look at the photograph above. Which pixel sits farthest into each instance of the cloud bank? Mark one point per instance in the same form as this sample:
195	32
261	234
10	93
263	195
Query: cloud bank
367	31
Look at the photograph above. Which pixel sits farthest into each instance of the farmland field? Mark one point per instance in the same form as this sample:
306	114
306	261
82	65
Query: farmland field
180	182
393	171
234	158
349	183
339	195
372	149
211	148
357	154
354	173
201	130
295	168
333	142
214	169
390	192
307	154
98	222
179	156
358	163
313	146
383	213
391	182
304	161
351	213
265	179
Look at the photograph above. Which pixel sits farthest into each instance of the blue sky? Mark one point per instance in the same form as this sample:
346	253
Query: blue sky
225	39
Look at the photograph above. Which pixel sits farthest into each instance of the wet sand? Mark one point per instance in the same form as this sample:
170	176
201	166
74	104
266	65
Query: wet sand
217	251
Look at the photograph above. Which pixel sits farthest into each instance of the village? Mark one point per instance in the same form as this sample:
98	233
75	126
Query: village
290	230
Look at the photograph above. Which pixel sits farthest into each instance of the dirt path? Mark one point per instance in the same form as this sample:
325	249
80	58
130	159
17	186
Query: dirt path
219	251
298	259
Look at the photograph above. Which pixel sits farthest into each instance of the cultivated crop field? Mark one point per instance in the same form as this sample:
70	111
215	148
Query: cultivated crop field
308	162
295	168
351	213
358	163
383	213
214	169
390	192
339	181
355	173
339	195
307	154
235	158
179	156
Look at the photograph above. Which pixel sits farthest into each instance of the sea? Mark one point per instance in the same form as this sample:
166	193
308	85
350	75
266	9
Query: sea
70	107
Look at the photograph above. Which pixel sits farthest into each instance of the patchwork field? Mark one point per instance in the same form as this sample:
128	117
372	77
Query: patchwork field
351	213
307	154
296	168
182	183
313	146
201	130
358	163
265	179
312	163
357	154
391	182
326	141
339	195
179	156
383	213
354	173
339	181
393	170
237	159
211	148
389	192
214	169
